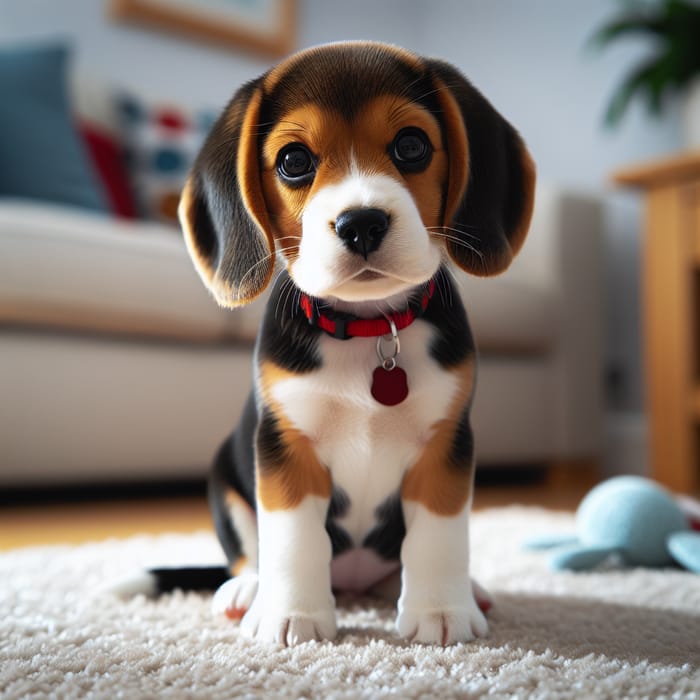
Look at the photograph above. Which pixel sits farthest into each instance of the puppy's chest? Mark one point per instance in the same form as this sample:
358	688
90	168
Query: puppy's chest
366	446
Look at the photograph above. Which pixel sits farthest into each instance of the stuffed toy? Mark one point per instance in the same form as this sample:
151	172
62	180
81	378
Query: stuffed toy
630	518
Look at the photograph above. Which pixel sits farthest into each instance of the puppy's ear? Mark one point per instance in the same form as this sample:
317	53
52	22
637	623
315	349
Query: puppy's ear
222	208
491	187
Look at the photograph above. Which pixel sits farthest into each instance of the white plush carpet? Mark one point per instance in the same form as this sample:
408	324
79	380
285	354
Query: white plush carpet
609	634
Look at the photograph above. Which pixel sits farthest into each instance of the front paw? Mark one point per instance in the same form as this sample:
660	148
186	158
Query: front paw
444	625
235	596
288	627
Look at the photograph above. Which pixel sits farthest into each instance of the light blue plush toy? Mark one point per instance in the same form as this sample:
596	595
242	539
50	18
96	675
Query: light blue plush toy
632	518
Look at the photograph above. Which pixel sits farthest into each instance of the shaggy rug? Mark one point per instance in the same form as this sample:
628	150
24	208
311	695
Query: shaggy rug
604	634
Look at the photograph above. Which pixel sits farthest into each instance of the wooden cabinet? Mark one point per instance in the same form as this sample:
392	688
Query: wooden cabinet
671	314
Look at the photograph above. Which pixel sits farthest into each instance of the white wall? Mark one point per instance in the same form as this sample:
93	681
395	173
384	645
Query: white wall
527	56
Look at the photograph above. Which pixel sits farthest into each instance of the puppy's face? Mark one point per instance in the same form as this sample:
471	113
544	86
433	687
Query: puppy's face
352	201
364	167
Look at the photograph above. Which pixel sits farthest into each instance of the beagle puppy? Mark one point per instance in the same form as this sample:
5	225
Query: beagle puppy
367	172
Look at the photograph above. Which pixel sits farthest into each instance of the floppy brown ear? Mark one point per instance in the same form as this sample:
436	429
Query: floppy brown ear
491	186
222	209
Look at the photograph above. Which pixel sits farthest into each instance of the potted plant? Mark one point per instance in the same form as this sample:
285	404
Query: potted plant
673	67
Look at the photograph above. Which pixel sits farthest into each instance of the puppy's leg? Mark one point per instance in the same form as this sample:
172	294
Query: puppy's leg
294	602
437	603
389	590
232	476
235	597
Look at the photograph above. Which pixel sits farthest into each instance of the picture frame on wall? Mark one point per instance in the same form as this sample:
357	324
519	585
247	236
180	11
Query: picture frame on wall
264	27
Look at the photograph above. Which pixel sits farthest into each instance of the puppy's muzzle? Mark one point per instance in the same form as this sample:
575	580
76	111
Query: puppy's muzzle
362	230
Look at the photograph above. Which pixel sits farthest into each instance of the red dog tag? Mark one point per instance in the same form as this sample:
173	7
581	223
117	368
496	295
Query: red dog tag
389	386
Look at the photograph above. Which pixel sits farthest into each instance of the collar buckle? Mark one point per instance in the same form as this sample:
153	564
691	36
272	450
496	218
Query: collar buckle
341	329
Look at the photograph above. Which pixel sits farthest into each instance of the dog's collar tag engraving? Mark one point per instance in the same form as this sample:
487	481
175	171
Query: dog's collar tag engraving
389	381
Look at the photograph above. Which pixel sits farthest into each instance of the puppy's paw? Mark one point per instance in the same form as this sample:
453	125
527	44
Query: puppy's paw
235	597
442	625
288	627
482	596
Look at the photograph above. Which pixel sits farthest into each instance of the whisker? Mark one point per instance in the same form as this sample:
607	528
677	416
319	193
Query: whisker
287	283
440	283
437	229
262	261
289	121
446	274
459	242
296	299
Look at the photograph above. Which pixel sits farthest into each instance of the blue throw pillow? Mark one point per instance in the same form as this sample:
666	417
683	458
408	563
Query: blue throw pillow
41	153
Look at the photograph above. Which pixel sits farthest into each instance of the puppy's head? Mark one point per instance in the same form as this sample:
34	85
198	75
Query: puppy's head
363	166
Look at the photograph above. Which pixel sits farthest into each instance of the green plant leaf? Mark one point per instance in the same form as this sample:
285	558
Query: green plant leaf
645	78
637	24
676	26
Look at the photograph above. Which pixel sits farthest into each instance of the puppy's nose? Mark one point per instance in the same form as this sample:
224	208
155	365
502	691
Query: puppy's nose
362	230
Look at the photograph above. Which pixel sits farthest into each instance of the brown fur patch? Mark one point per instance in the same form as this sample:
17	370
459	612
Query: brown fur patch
435	480
238	566
248	168
458	149
295	471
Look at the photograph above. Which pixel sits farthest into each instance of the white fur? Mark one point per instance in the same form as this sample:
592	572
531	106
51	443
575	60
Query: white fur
406	257
437	604
138	582
237	594
294	602
367	446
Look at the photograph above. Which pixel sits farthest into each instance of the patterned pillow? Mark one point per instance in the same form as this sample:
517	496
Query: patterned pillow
161	142
108	160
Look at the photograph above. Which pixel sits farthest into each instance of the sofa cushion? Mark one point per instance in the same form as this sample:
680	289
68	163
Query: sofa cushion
67	268
41	154
161	143
73	269
108	160
508	315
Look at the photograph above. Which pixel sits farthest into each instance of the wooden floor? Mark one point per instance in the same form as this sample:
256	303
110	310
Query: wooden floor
74	521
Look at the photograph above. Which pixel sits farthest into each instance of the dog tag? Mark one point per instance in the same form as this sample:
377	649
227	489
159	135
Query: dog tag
389	383
389	386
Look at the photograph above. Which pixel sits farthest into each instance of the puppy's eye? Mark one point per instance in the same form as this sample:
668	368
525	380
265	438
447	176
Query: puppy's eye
411	150
295	164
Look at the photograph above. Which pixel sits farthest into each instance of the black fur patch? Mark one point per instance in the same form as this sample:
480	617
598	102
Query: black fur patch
225	235
453	342
286	337
195	578
462	450
271	448
233	470
495	199
338	507
386	538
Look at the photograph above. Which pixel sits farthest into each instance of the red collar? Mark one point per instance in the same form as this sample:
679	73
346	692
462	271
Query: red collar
345	326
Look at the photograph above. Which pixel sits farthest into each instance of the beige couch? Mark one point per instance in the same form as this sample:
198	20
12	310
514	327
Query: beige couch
116	365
